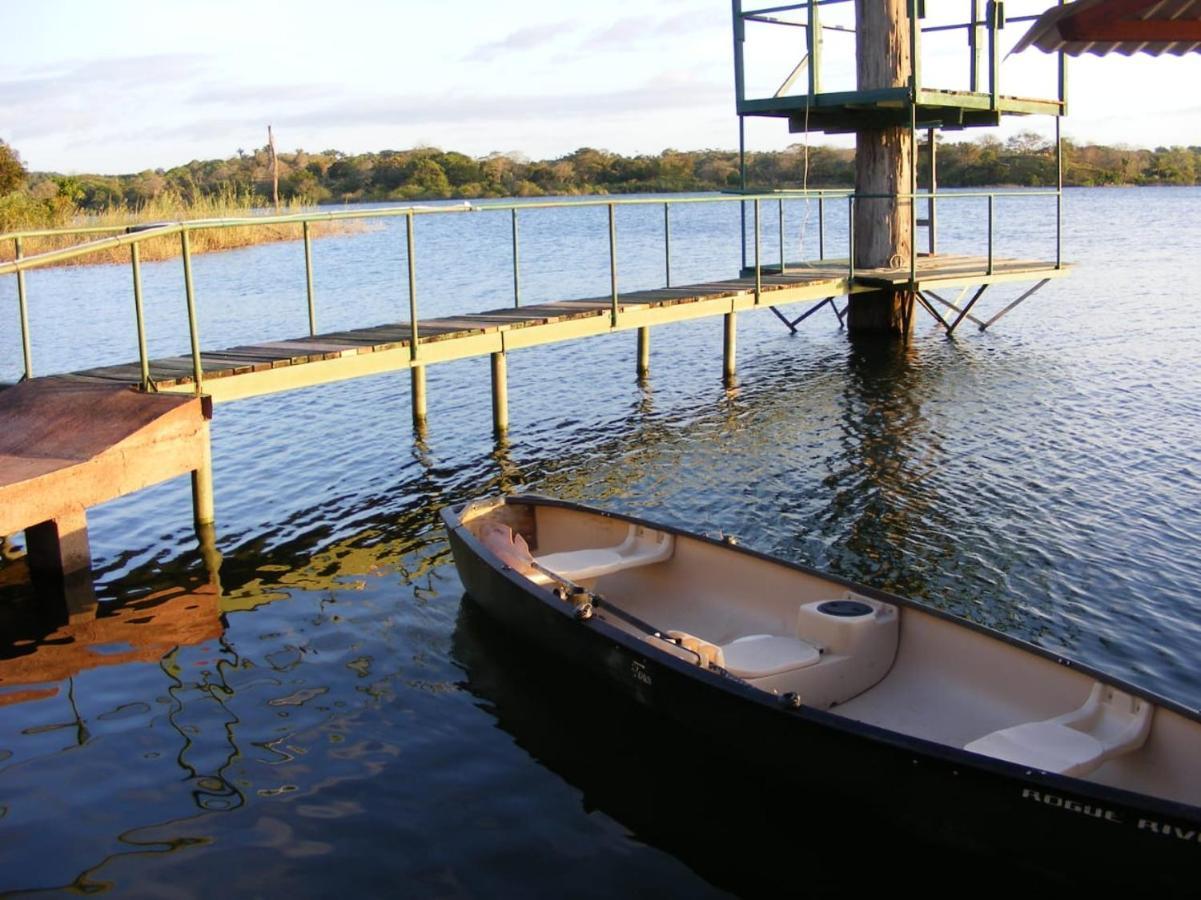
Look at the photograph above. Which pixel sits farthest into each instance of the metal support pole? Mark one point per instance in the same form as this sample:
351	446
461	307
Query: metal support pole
758	270
190	295
644	350
667	245
821	226
729	346
308	278
742	183
500	394
813	41
932	204
135	262
413	335
417	395
516	264
1058	196
994	58
967	309
850	239
613	265
973	42
783	265
202	485
991	197
23	311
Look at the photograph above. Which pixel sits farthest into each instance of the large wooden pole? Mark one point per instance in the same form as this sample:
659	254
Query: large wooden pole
883	165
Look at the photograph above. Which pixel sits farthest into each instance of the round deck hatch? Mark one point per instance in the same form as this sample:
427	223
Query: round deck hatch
848	609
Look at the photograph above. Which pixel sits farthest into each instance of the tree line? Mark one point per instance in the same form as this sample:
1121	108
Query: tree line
422	173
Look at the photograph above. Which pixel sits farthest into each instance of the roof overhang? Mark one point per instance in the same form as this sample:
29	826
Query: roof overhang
1118	26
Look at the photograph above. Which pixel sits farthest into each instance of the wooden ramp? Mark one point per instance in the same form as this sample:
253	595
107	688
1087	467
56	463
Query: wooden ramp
252	369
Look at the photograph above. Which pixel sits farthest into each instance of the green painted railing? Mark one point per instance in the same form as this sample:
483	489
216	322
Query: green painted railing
134	236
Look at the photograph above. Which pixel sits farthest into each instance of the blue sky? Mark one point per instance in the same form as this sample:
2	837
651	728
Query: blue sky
132	84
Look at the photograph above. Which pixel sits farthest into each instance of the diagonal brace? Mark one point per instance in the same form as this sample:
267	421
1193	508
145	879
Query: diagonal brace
1014	303
930	295
793	323
967	309
930	309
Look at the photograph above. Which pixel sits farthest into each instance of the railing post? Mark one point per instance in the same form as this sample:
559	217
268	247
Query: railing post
783	266
135	262
413	336
516	263
23	309
190	294
758	271
995	12
416	371
990	231
667	245
1058	196
821	226
850	239
613	264
308	277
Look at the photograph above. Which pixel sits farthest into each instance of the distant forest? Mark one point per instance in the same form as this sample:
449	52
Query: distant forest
429	173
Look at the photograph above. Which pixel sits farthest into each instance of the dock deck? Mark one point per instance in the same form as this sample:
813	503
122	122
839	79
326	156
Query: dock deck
253	369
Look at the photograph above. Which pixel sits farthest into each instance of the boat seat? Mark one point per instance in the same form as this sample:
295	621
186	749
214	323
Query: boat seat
1110	723
641	547
760	655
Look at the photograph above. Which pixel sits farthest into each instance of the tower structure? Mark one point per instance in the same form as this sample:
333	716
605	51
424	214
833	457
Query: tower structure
886	107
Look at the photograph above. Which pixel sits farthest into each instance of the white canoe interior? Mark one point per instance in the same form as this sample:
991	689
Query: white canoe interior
891	666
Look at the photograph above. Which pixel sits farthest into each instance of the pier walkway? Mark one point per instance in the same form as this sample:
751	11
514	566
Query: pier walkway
253	369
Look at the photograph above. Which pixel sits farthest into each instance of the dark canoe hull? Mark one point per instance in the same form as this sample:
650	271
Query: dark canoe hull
1046	819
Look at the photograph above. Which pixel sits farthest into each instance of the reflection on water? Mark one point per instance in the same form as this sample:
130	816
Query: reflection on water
328	717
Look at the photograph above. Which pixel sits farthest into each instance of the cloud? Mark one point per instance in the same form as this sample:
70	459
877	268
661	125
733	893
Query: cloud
658	95
635	30
531	37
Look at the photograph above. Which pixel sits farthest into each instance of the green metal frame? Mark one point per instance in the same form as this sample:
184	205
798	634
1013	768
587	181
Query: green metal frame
134	236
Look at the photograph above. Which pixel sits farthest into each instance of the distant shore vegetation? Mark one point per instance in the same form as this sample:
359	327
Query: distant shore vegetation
226	187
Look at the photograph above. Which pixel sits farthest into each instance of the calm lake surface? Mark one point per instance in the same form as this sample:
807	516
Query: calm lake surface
338	719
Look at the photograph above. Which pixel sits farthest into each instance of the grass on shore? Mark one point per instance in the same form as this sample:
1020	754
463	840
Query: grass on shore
21	213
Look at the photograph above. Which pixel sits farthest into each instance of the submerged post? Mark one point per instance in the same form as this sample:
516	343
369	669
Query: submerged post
417	391
202	485
60	563
500	394
644	350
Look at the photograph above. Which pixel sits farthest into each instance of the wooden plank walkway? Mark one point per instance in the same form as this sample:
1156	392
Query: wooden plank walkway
253	369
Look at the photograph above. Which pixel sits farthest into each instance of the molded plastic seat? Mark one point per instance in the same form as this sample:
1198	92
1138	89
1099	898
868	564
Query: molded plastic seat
1109	724
641	547
760	655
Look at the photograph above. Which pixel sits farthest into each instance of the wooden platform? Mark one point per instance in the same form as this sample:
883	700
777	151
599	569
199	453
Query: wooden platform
252	369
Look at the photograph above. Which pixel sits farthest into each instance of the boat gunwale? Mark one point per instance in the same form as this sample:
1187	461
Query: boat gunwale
895	739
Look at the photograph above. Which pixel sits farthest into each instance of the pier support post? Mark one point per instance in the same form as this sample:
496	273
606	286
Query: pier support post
500	393
644	351
417	382
60	563
202	487
883	168
730	348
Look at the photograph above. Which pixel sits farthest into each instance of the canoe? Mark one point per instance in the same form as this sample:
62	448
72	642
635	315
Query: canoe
826	680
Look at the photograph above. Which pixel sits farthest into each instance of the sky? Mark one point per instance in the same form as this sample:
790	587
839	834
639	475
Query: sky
128	85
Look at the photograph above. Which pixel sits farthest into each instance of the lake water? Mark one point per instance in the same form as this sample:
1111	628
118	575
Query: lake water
340	720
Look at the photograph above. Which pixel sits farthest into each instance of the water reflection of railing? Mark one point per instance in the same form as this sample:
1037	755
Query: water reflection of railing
134	236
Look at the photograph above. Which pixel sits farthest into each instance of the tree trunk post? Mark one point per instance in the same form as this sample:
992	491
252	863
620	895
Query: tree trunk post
883	168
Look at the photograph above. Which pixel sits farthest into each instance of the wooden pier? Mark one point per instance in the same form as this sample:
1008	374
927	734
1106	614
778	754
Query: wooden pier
71	440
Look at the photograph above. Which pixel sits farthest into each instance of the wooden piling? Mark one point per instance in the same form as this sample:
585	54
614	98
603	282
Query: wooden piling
644	351
883	167
60	562
500	394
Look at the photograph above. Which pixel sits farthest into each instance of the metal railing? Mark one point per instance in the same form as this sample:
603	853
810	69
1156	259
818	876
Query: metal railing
985	20
134	236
